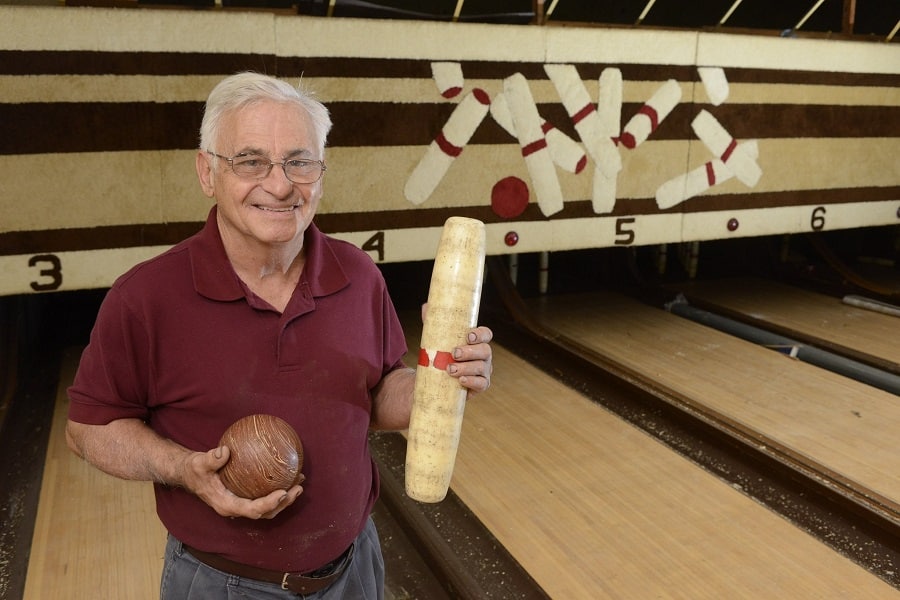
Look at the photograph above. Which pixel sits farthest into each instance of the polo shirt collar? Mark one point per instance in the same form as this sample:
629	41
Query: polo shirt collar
215	278
323	270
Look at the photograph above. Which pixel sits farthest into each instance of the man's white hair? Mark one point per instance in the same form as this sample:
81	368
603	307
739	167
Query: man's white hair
244	89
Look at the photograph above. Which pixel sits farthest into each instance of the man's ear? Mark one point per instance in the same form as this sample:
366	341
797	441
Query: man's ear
204	173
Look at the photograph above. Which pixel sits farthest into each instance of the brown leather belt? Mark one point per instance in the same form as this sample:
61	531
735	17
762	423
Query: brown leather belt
298	583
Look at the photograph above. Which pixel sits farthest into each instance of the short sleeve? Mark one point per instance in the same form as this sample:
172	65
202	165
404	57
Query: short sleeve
112	378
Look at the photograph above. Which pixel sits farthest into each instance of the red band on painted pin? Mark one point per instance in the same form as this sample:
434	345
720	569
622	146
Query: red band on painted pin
446	147
534	147
441	359
581	114
727	154
423	358
651	114
710	174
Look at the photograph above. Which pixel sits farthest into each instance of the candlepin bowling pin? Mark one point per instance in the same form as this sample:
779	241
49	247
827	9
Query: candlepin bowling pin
453	300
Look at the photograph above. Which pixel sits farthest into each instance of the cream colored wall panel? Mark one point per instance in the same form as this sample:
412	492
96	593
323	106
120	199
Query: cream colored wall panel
68	28
859	214
181	198
611	46
828	163
788	219
795	93
715	225
106	88
149	187
602	232
391	39
531	236
755	51
57	191
64	271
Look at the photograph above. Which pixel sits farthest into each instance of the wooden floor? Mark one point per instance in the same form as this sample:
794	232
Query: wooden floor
825	419
796	310
95	537
592	507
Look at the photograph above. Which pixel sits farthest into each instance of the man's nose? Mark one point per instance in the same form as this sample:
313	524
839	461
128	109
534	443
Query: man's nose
278	178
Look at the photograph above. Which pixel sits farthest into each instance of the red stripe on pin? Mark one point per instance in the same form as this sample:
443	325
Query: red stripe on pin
423	358
446	147
534	146
727	154
582	163
581	114
651	114
442	360
482	96
710	174
628	140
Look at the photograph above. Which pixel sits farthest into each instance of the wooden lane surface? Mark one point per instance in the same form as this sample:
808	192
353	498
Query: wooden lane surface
594	508
865	332
824	419
591	506
95	537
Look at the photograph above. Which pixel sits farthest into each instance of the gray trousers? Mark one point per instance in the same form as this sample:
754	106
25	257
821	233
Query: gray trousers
186	578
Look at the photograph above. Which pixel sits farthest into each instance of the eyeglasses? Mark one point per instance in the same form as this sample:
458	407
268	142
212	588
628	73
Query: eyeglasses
251	166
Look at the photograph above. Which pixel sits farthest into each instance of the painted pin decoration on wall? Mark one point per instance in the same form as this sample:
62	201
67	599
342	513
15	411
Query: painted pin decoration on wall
453	300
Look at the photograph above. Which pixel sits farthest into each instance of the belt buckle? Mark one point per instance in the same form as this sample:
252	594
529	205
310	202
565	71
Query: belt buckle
336	568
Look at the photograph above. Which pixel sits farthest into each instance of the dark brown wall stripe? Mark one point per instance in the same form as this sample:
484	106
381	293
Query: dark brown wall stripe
114	127
98	127
49	62
81	62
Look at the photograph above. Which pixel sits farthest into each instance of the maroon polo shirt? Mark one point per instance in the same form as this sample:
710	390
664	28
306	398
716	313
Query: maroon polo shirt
181	343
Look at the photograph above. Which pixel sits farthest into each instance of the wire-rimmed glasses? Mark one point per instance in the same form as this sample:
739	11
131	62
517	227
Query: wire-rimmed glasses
253	166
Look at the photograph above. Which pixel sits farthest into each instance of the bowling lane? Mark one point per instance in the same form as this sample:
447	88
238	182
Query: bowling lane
830	423
804	315
94	536
592	507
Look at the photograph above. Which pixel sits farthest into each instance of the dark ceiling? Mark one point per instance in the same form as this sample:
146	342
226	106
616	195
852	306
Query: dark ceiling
876	19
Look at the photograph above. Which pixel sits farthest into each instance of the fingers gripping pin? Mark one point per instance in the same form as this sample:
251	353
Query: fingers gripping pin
437	412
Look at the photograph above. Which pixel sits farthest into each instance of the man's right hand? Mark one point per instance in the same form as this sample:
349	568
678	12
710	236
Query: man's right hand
201	476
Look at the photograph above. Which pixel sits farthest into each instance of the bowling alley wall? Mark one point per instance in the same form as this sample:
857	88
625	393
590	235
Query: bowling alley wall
558	138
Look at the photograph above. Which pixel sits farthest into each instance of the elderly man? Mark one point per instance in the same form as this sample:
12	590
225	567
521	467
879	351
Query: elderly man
259	312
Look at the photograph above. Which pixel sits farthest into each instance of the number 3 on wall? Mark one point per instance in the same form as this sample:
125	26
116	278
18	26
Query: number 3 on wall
52	273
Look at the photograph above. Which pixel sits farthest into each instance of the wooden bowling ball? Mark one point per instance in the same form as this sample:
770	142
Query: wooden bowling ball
266	455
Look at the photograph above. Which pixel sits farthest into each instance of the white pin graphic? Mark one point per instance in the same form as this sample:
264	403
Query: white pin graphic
449	144
527	124
566	152
577	101
739	158
609	113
